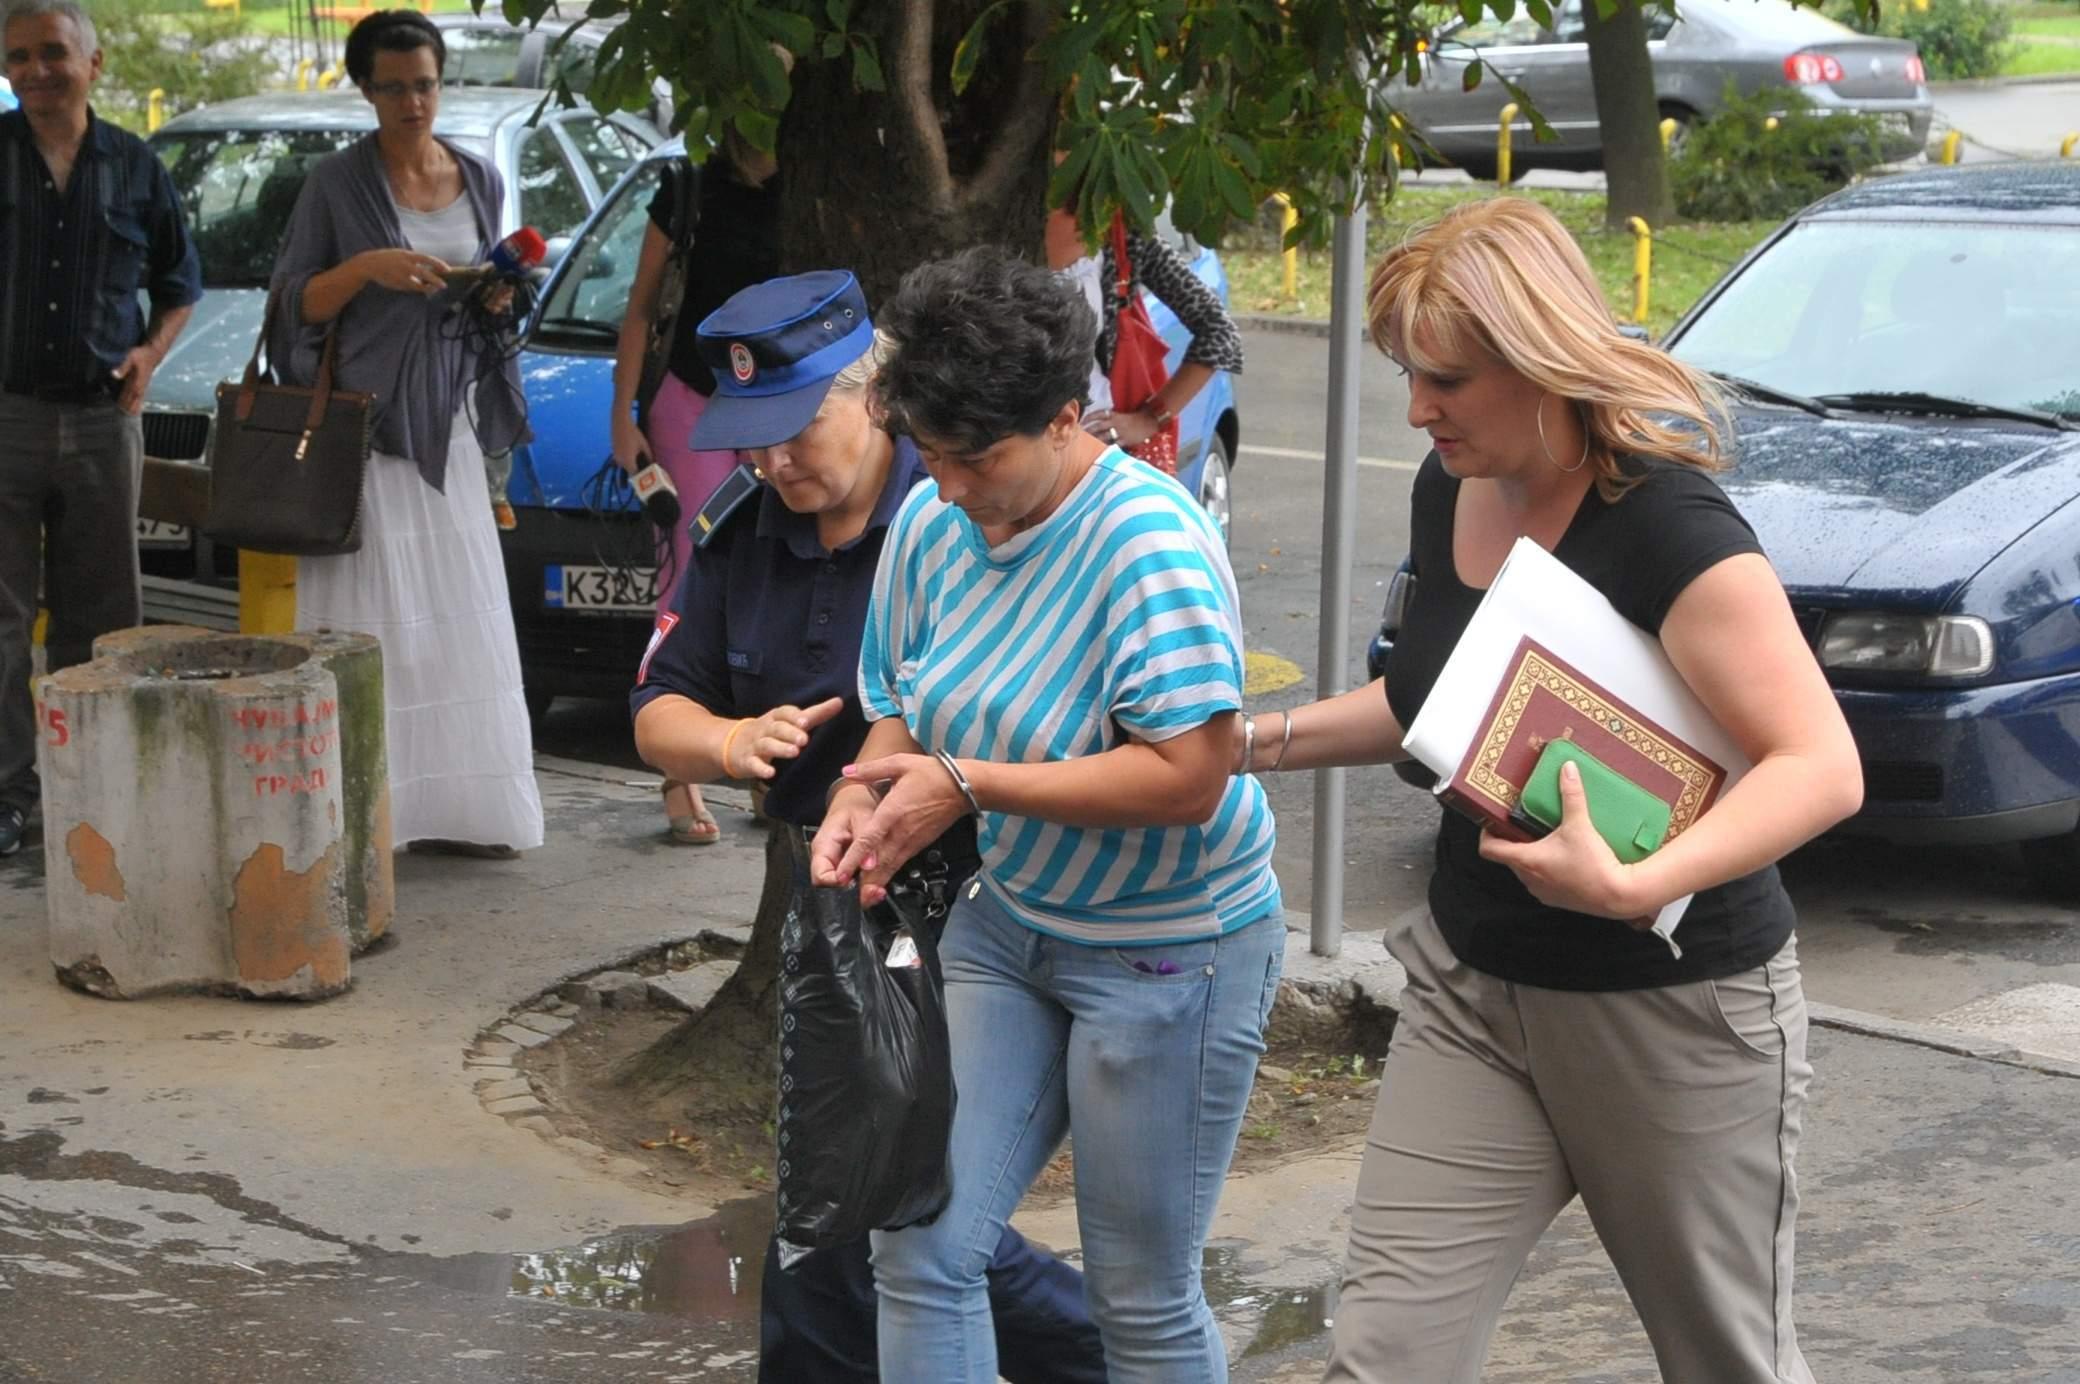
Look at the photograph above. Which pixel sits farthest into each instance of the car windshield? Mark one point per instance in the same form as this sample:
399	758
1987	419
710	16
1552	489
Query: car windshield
238	187
591	294
1964	311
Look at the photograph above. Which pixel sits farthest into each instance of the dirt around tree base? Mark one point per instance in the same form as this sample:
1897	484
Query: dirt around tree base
714	1141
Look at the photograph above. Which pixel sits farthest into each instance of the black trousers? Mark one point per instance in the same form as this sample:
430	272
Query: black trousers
816	1320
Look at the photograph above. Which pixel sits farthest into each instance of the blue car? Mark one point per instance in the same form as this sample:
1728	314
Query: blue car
1904	359
581	567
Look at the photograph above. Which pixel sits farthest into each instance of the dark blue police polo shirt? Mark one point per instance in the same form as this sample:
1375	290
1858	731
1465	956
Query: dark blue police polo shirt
766	616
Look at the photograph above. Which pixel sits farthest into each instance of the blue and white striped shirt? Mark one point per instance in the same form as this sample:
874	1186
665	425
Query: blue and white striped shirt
1117	616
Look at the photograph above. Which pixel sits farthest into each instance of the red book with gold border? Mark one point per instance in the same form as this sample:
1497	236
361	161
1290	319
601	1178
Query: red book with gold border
1542	698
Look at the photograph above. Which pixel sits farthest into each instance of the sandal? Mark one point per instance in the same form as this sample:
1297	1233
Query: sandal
697	828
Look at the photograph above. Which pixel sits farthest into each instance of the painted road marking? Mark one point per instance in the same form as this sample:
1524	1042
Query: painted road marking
1264	673
1296	454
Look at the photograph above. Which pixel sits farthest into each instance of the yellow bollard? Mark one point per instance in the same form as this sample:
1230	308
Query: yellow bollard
303	73
155	110
2065	150
266	593
1502	137
1642	267
1770	124
1952	142
1668	132
330	77
1290	254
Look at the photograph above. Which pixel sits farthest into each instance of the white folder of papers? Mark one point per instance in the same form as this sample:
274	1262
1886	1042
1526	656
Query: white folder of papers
1538	595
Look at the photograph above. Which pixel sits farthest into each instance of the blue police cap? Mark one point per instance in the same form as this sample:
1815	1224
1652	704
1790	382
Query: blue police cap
775	348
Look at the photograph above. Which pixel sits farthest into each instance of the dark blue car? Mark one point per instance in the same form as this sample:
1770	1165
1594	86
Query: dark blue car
1904	359
581	568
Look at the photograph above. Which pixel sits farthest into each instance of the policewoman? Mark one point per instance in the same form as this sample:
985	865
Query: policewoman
753	674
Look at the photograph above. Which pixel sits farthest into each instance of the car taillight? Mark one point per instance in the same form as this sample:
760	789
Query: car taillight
1811	69
1916	72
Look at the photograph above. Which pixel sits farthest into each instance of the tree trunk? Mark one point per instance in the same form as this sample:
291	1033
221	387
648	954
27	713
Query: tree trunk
1629	115
879	182
730	1047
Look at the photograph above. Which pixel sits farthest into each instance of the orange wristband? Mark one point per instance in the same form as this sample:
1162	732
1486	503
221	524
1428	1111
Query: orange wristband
729	739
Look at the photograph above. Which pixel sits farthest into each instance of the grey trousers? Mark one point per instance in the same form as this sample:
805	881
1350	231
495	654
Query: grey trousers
69	475
1673	1113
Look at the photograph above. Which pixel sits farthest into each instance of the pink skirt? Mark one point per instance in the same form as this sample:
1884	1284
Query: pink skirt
677	407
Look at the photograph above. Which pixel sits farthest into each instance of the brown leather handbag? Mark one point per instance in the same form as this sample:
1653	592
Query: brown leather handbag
287	464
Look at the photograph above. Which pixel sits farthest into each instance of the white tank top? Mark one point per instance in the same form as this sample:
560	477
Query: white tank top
449	235
1086	273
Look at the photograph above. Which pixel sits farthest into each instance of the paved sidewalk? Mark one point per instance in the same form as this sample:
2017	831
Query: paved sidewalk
323	1178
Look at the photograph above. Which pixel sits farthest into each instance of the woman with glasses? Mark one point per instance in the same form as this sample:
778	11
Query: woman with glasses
375	231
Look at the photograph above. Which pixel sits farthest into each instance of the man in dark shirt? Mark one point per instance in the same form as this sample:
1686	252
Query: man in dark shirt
90	219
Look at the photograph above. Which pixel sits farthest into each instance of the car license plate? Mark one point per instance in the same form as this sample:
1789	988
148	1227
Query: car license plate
574	588
157	533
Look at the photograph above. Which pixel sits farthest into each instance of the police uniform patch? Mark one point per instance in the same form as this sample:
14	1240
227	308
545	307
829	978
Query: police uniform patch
740	363
665	624
737	487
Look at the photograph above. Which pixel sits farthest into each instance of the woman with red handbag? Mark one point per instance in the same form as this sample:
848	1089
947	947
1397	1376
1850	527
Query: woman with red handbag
1134	399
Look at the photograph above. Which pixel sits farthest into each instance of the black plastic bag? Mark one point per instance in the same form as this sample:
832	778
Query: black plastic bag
866	1080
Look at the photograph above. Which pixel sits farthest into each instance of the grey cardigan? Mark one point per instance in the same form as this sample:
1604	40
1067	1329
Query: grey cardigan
400	347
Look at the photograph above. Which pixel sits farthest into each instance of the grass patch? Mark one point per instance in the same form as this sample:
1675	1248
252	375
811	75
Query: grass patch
274	21
1687	259
2042	60
2065	26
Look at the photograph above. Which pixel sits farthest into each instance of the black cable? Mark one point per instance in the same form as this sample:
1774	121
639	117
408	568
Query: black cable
609	493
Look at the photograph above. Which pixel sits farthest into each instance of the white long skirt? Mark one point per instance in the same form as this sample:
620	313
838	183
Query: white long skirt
430	584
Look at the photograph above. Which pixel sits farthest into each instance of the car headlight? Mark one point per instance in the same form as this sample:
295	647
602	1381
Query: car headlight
1942	646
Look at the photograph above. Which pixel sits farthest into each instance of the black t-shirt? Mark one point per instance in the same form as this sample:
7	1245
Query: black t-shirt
736	244
1640	552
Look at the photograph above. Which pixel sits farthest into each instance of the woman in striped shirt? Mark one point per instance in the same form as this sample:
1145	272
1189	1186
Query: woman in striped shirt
1054	647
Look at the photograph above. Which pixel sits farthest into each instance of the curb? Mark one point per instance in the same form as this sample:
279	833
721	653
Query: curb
1939	1039
1936	89
1281	323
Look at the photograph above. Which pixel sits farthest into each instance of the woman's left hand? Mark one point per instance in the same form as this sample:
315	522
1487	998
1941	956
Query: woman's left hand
1131	429
1572	868
919	803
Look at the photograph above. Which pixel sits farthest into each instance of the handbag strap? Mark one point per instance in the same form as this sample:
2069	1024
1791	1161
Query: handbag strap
1122	268
321	391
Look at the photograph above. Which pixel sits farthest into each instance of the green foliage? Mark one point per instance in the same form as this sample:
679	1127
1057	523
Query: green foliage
195	58
1213	104
1734	167
1957	38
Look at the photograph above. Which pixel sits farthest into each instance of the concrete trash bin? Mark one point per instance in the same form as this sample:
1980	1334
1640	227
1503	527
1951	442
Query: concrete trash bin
216	813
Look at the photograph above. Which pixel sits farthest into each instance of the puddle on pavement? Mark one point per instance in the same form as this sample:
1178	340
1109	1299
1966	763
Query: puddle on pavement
710	1270
1282	1316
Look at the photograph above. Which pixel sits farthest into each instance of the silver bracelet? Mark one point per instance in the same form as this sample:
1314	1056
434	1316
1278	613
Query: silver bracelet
1285	741
1249	745
960	780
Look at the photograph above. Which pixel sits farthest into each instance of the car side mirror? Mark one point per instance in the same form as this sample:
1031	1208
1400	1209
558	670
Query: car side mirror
1634	330
558	247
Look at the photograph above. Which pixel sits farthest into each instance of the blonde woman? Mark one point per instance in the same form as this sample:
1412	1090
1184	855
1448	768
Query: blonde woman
1549	1048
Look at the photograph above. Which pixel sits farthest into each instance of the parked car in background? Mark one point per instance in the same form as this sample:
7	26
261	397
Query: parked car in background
1754	45
582	567
1906	373
239	166
488	50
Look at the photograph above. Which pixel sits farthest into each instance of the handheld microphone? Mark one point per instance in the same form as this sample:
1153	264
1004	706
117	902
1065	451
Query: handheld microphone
512	258
660	498
518	253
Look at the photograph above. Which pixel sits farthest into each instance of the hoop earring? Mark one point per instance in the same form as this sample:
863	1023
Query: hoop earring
1540	415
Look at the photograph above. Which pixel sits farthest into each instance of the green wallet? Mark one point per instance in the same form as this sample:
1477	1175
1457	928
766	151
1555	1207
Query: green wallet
1632	821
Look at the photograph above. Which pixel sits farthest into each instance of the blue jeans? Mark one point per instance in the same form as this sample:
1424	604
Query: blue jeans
1147	1067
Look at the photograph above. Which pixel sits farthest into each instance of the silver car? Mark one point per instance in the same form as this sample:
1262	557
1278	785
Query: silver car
1753	44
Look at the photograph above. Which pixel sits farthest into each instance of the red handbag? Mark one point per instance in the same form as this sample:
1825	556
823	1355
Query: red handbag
1139	357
